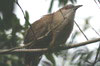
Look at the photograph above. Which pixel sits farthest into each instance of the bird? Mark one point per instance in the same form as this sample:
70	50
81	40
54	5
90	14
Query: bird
49	31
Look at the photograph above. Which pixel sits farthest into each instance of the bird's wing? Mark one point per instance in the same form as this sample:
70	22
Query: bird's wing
40	28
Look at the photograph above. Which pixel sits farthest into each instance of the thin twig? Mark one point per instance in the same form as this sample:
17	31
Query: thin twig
99	8
81	30
95	30
97	3
35	38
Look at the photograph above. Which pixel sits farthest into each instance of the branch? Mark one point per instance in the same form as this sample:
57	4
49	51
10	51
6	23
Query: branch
5	51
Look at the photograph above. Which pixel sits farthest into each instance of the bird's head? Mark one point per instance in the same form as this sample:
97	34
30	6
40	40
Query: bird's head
69	10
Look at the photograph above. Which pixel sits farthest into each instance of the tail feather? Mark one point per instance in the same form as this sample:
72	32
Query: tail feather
32	59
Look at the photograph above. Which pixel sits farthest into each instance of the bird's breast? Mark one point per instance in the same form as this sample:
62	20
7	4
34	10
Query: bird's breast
63	31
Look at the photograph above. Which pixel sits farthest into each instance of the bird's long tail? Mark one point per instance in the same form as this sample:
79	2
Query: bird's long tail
32	59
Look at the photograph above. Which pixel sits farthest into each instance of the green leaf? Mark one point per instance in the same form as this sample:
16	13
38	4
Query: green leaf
27	15
63	2
51	5
50	57
73	1
26	20
89	55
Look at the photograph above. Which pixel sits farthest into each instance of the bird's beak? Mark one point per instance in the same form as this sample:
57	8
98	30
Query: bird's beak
76	7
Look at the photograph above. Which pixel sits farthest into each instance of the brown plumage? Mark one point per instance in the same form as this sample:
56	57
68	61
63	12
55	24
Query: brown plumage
59	24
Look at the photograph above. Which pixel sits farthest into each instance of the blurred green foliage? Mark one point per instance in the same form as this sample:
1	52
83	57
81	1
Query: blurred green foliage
11	33
61	3
10	36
